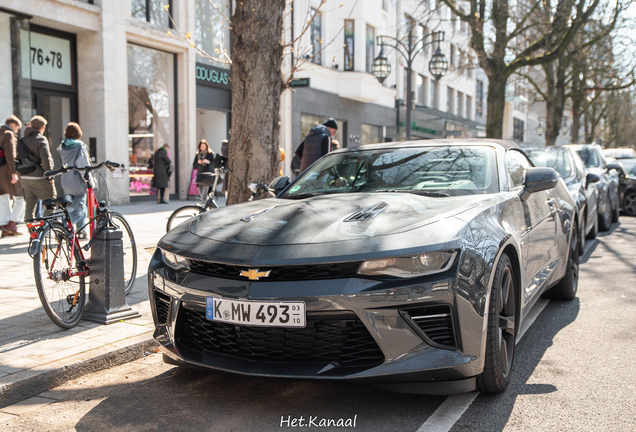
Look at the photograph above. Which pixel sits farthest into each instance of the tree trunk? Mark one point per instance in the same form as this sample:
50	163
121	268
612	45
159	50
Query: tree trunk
555	102
577	100
496	104
257	83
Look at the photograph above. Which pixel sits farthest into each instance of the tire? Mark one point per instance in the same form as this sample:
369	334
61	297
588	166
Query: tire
130	250
183	214
605	218
62	298
502	330
629	203
567	287
582	236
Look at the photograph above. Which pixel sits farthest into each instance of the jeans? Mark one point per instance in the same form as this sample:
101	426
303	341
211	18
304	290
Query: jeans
78	211
10	212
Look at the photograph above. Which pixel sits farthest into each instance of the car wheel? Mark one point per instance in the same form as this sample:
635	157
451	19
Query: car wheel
582	236
567	287
605	218
502	330
629	204
594	231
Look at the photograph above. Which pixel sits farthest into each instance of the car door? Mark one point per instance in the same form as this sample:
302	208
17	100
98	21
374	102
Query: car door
541	227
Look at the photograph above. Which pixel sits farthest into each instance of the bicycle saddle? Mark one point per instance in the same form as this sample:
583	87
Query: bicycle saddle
51	204
205	179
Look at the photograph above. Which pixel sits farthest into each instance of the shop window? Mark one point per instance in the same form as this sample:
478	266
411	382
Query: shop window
370	44
372	134
151	114
316	37
212	30
151	11
349	34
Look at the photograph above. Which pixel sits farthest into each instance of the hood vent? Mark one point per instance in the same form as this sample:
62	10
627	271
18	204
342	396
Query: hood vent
367	213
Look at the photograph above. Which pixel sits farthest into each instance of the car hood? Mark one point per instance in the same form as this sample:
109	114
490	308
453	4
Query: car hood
322	219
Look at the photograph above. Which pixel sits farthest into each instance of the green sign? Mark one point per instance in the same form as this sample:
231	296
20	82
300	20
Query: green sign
299	82
416	128
213	75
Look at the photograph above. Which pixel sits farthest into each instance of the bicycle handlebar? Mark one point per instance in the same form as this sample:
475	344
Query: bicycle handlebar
65	168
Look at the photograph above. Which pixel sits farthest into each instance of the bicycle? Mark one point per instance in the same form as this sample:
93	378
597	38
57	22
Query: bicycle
187	212
59	263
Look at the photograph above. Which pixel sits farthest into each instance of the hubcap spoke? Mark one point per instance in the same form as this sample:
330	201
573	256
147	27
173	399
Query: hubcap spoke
507	324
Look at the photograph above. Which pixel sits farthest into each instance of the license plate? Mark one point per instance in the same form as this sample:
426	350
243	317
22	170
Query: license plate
256	313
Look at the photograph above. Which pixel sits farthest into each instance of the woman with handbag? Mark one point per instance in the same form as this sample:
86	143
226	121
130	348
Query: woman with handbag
204	164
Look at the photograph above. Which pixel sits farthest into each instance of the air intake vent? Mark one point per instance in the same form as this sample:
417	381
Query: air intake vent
435	322
367	213
162	305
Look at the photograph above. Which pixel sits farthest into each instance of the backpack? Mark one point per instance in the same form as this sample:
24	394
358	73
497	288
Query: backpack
28	162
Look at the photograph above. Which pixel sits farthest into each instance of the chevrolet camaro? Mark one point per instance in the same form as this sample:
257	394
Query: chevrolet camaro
406	265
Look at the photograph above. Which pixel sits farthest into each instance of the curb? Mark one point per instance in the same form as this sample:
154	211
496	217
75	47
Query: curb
32	382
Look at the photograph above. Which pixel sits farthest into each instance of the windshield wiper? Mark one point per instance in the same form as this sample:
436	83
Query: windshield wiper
418	192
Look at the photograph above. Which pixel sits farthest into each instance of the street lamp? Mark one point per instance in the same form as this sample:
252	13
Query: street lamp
437	66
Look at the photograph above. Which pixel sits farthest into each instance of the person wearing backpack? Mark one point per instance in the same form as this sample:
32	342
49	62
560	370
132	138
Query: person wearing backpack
34	159
10	187
74	152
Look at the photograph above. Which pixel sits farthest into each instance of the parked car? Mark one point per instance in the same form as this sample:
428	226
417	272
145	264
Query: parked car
627	189
609	205
581	185
620	153
398	264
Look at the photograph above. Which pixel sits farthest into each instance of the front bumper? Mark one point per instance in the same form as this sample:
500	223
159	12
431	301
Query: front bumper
357	329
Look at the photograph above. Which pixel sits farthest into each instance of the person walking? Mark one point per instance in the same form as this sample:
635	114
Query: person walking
162	171
204	164
10	187
34	145
74	152
316	144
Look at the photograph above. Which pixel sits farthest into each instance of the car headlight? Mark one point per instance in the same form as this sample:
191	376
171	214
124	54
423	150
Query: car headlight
409	266
174	261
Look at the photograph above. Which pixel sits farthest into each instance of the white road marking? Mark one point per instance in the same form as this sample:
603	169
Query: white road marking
445	417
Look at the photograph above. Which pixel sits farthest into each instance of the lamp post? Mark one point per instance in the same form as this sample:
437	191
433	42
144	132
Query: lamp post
437	66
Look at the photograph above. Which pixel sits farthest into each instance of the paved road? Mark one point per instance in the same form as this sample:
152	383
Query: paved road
573	371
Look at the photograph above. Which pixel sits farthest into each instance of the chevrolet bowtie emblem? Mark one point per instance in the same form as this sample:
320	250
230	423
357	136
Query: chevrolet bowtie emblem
254	274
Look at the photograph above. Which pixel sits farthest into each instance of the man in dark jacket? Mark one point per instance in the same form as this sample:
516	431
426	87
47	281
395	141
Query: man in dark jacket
316	144
35	185
10	187
162	170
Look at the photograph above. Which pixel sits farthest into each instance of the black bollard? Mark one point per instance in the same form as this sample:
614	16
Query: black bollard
107	295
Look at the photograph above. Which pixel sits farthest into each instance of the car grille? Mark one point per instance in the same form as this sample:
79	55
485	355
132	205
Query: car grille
341	339
436	322
279	273
162	305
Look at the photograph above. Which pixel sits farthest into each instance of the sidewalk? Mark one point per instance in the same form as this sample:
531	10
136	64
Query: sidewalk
35	354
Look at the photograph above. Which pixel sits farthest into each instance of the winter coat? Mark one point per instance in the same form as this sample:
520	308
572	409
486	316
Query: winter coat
315	146
39	147
162	169
8	143
74	153
201	168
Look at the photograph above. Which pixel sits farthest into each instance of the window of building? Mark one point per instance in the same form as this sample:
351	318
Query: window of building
316	37
151	11
422	82
469	107
349	35
372	134
151	113
518	129
462	24
450	100
370	44
211	29
452	55
479	103
433	101
385	5
460	104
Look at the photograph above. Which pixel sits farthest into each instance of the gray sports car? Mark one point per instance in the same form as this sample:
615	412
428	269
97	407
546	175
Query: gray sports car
408	265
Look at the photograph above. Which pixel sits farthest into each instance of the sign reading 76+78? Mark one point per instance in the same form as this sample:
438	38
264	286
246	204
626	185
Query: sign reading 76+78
49	59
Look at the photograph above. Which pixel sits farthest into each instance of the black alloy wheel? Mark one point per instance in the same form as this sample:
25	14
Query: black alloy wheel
605	218
502	330
629	203
568	286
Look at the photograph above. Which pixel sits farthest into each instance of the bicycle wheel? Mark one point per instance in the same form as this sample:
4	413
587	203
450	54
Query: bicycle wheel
63	297
183	214
129	248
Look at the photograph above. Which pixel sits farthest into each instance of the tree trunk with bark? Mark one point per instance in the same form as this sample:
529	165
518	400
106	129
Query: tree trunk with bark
496	103
555	100
257	84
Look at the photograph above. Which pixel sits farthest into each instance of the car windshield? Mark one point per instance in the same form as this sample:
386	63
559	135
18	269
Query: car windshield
558	160
629	166
434	171
590	158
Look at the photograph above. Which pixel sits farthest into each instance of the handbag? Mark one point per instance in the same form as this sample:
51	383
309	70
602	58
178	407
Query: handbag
28	163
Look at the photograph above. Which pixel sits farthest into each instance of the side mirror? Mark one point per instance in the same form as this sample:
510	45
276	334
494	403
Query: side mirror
538	179
614	166
279	183
591	178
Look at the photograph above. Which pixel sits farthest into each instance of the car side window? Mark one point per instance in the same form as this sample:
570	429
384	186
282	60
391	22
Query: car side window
517	164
